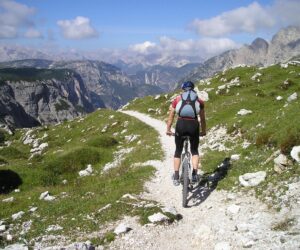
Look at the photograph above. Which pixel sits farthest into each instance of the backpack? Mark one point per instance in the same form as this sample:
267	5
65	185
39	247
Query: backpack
188	106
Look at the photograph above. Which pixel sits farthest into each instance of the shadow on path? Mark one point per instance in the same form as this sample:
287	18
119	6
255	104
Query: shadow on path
9	181
208	183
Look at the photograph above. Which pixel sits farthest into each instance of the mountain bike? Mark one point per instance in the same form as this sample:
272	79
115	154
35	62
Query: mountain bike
186	170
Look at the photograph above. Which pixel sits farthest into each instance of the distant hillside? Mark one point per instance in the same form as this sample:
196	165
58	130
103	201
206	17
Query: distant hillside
82	86
31	96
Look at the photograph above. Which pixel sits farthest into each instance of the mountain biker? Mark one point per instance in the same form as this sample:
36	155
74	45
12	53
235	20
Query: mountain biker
187	106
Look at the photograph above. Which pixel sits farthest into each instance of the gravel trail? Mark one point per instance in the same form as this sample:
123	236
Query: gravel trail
214	219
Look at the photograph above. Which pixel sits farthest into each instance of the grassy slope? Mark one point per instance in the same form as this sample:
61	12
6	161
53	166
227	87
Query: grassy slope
280	125
73	145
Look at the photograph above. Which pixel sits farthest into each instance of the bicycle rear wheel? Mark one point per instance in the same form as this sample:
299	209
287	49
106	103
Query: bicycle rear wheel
186	180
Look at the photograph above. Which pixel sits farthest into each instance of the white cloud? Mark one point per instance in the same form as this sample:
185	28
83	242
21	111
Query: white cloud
78	28
33	33
204	48
16	20
143	48
244	19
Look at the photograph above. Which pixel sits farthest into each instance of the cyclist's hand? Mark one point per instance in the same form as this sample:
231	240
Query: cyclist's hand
169	133
202	133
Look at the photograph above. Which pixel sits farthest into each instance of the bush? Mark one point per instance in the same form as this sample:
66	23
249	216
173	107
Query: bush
265	139
12	153
292	139
69	164
2	161
102	141
2	137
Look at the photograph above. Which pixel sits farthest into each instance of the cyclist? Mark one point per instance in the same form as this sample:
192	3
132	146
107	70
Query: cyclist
187	106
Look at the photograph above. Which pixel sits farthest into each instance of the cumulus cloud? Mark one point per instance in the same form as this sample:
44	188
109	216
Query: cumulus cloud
143	48
15	19
168	46
78	28
250	19
245	19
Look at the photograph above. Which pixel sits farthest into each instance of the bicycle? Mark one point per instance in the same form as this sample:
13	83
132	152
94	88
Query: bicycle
186	172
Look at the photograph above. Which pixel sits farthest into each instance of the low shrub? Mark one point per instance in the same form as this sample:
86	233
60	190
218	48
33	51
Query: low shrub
292	139
69	164
265	139
12	153
102	141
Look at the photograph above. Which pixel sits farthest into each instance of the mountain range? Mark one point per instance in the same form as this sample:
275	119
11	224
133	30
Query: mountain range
74	87
283	46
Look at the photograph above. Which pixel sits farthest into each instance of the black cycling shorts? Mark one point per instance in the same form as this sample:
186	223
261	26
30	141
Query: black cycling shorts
190	128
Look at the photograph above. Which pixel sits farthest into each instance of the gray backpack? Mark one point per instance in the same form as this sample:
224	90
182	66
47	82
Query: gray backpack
188	106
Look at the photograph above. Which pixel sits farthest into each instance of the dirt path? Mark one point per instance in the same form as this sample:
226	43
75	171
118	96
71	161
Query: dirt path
214	220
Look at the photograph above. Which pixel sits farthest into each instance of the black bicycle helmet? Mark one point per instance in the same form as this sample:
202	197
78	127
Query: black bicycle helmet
188	85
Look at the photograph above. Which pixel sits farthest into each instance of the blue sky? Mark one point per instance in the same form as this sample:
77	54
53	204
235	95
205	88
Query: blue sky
143	26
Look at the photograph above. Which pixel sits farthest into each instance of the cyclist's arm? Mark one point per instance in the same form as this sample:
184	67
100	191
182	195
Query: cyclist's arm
202	122
170	119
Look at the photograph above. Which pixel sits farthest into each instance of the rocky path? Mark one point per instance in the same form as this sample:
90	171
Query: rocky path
213	220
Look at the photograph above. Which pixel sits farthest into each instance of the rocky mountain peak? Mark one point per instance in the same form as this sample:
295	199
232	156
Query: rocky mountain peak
287	35
259	44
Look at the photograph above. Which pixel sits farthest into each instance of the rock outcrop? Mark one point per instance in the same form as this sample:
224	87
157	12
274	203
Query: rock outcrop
285	45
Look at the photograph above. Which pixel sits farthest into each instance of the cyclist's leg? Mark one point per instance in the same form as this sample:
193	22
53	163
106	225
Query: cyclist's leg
194	130
179	148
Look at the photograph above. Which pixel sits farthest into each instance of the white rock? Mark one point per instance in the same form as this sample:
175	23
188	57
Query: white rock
2	228
104	208
203	95
54	228
156	97
121	228
17	190
158	217
11	199
64	182
43	146
244	112
295	153
33	209
18	215
292	97
233	209
46	196
279	98
281	160
170	209
235	157
252	179
222	246
10	238
43	195
86	172
15	246
246	144
255	76
129	196
49	198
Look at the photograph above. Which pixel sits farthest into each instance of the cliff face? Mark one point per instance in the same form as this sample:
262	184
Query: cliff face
29	97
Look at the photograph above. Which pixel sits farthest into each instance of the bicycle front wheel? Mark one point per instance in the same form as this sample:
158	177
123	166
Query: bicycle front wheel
186	180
